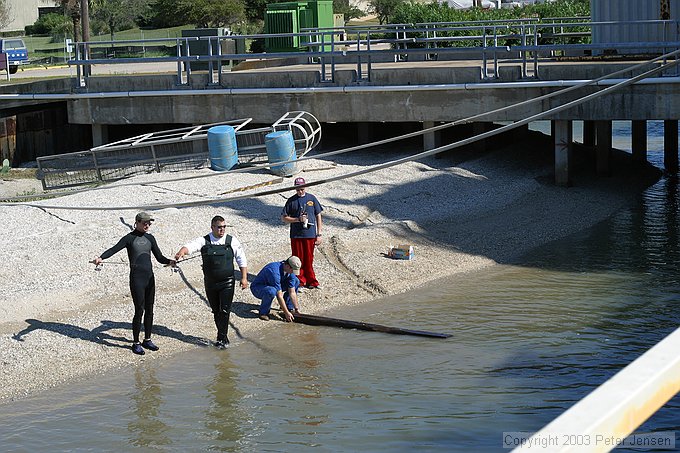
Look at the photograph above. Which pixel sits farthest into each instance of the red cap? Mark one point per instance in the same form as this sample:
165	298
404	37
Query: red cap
299	181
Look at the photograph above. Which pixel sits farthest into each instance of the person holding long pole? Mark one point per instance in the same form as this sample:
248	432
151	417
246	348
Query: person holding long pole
140	244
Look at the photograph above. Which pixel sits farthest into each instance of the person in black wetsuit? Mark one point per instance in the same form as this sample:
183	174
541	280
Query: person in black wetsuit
140	245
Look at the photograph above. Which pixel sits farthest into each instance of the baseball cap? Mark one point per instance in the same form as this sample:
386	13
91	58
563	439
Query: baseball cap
143	216
299	181
295	263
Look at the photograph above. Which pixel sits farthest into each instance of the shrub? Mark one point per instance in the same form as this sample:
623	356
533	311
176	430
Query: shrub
414	12
52	24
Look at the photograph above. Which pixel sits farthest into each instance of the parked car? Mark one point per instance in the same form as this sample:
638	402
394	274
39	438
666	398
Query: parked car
16	51
520	3
467	4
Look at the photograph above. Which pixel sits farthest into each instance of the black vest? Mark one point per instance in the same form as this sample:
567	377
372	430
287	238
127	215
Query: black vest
218	260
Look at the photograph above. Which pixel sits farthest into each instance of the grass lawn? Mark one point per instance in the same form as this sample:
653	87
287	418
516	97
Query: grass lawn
42	46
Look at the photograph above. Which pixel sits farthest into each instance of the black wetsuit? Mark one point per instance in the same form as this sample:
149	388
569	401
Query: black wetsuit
142	283
218	273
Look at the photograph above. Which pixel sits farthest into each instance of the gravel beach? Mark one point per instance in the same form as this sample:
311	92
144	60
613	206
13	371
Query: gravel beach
60	320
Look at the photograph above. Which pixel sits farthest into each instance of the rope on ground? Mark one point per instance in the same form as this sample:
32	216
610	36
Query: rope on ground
254	186
664	66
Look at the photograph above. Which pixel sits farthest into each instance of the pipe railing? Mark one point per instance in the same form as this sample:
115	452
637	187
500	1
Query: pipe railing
492	42
613	411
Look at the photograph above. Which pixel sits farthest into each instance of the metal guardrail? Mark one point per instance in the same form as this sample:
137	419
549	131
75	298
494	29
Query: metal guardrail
614	410
526	41
176	149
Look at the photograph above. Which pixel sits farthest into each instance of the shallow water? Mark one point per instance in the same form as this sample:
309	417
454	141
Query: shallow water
529	340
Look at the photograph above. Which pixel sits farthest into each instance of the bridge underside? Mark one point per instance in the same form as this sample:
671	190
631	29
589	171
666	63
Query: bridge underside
429	96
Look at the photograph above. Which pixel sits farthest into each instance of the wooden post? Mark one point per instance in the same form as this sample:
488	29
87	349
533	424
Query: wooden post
639	141
603	148
670	146
562	139
316	320
589	133
363	133
479	128
429	138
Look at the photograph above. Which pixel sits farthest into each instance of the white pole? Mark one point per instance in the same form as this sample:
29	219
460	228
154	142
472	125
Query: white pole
6	56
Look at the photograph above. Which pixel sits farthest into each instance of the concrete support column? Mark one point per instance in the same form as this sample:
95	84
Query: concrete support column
670	145
589	133
430	138
563	138
363	133
603	147
479	128
100	134
639	141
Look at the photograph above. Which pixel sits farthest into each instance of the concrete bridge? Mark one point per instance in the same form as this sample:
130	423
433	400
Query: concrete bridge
424	92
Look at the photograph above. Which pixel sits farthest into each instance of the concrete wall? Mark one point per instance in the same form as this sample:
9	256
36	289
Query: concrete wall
443	94
25	12
438	94
636	103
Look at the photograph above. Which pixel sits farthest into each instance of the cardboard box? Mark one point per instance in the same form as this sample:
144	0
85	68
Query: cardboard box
401	252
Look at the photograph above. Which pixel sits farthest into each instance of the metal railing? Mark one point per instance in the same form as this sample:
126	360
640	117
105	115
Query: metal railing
524	41
177	149
616	408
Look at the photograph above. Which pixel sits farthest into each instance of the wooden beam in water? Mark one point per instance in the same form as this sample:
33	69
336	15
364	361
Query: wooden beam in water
314	320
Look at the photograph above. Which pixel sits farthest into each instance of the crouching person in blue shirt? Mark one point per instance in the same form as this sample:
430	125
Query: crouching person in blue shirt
278	280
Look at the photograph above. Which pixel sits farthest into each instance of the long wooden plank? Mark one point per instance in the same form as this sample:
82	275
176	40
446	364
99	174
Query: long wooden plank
315	320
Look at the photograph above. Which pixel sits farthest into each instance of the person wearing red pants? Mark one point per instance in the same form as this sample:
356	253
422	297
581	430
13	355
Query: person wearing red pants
303	212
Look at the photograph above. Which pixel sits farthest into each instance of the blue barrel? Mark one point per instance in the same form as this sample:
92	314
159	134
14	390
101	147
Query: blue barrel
280	148
222	148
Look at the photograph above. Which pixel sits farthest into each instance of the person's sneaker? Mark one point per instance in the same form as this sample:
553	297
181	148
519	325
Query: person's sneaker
137	349
313	286
148	344
264	317
222	344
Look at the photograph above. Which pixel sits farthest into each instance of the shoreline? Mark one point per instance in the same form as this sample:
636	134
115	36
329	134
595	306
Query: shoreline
61	319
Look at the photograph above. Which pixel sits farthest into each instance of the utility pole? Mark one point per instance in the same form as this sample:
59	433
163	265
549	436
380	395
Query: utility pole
85	20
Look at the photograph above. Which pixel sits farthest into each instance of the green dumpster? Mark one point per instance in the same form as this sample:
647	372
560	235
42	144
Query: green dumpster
292	17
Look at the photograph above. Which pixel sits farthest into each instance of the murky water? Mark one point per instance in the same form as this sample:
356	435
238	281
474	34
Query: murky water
528	341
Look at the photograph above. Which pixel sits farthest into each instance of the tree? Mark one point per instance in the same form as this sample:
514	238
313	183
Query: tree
348	9
72	9
384	9
57	25
117	13
5	13
217	13
255	9
201	13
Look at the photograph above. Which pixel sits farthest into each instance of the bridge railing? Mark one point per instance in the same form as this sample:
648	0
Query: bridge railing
614	410
527	42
